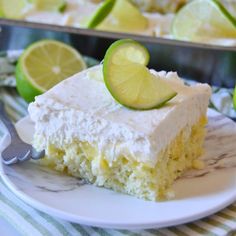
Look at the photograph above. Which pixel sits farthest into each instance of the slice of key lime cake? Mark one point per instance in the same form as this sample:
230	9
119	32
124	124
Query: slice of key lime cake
88	134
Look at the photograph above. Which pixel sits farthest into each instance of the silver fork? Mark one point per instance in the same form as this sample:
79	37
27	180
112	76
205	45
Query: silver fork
17	150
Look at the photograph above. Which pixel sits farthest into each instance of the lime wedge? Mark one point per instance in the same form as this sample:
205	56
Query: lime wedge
119	15
43	65
234	98
129	80
14	9
101	13
203	19
49	5
1	12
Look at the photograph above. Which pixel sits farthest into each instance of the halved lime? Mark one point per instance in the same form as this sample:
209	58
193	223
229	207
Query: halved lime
14	9
119	15
101	13
43	65
234	98
129	80
203	19
50	5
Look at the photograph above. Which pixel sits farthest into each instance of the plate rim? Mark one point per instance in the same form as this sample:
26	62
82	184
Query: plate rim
104	224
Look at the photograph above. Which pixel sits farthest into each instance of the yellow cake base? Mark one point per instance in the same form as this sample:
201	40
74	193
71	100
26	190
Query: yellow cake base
128	176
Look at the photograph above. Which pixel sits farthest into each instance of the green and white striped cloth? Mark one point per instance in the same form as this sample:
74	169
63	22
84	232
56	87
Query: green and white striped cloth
31	222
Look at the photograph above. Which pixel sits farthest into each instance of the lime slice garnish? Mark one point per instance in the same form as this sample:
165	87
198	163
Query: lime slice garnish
203	19
234	98
43	65
14	9
101	13
119	15
49	5
129	80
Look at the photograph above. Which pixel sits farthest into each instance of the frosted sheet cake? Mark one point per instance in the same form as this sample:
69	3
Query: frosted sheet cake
160	17
87	134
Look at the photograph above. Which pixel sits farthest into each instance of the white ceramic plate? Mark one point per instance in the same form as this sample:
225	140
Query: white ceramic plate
198	194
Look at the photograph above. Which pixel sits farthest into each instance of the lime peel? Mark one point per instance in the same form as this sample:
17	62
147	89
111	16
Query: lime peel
234	98
101	13
25	89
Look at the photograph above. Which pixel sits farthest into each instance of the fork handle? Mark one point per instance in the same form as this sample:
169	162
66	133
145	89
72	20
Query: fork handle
7	122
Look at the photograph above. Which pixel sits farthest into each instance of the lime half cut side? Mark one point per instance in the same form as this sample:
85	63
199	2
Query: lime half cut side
200	20
43	65
129	80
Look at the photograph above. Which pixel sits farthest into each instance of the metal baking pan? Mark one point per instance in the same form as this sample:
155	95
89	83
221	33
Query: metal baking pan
215	65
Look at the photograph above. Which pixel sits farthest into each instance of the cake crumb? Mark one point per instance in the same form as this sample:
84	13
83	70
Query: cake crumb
198	164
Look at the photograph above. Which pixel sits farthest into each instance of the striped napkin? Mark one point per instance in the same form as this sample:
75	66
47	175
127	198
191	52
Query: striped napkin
31	222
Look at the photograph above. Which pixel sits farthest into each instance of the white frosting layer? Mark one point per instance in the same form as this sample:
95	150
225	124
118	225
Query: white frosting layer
82	108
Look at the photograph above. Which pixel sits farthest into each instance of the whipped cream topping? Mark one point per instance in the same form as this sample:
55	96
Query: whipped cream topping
82	108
